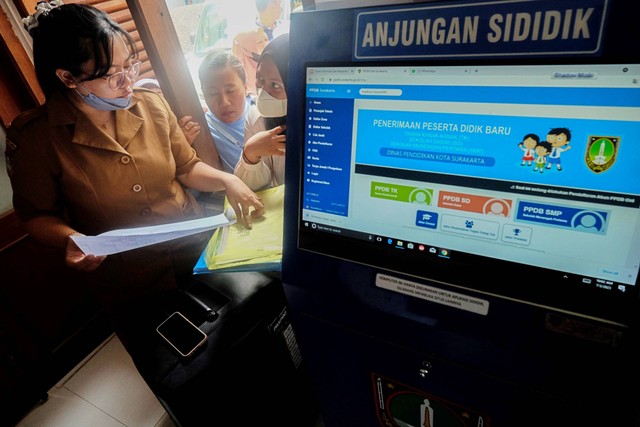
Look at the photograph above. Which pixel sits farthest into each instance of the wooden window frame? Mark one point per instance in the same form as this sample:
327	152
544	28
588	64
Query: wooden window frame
161	42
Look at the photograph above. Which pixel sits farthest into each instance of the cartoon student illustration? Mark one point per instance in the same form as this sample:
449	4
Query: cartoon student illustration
528	146
542	151
558	138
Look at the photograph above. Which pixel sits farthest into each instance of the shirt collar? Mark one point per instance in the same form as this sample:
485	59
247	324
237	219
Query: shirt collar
62	112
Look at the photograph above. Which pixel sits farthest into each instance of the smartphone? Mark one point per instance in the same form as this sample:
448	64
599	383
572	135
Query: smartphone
181	334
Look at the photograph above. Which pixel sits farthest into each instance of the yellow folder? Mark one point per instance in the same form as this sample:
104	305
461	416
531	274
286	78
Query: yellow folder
236	248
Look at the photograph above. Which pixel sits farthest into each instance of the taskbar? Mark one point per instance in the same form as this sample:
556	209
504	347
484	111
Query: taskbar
390	242
445	253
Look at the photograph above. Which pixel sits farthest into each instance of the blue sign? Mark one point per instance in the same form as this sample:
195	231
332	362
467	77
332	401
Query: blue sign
479	29
426	219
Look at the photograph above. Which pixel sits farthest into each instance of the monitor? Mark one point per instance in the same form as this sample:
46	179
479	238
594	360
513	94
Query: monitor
511	180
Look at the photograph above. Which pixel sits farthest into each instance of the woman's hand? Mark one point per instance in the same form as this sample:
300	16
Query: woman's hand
265	143
75	258
246	204
190	128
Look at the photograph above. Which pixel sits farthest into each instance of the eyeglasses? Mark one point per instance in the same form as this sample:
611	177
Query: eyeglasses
117	80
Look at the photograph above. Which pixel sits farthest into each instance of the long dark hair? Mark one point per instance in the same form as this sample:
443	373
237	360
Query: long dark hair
70	35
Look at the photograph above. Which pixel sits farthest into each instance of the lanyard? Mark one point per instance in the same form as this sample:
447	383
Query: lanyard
223	131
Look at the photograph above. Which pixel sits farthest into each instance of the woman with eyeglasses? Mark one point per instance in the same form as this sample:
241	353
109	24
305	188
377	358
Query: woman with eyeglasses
102	155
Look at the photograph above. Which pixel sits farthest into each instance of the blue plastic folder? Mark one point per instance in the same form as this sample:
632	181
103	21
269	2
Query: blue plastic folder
236	248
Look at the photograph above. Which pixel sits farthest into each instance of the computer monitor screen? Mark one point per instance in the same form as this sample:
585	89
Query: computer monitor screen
519	181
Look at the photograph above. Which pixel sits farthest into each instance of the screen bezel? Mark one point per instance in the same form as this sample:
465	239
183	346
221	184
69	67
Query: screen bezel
478	274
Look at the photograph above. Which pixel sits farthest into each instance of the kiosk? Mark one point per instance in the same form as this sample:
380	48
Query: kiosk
462	214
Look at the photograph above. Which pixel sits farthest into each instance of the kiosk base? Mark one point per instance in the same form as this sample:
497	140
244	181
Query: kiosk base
370	368
248	371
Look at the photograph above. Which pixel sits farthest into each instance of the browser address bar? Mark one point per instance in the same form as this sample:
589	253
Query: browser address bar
381	92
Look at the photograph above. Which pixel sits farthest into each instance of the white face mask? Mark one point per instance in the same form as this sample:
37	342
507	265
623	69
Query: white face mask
270	106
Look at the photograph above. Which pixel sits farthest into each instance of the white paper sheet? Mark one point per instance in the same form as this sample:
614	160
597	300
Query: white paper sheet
125	239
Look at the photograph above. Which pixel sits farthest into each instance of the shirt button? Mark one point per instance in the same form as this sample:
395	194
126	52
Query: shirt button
137	188
145	211
125	159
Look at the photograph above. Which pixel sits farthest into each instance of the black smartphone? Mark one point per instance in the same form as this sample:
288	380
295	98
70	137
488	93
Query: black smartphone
181	334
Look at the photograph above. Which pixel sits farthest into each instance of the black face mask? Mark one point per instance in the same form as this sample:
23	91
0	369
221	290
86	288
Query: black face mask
255	57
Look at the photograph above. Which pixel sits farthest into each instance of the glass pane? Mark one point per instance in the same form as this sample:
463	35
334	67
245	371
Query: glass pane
205	25
5	185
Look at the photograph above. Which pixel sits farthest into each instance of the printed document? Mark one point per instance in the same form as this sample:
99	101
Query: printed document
125	239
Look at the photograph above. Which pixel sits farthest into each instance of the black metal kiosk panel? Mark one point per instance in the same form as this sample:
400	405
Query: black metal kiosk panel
462	212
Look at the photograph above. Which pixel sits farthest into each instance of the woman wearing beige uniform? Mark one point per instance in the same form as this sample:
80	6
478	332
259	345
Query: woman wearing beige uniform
102	155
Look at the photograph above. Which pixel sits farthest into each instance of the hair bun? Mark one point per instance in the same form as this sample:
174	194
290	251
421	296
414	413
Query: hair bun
42	9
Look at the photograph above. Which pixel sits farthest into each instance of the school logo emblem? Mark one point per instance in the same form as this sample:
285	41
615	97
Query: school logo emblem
601	152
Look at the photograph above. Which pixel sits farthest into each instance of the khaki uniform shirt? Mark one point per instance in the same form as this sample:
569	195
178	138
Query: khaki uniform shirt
61	164
64	165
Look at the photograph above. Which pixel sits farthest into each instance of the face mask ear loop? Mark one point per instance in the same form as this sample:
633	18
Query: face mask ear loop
78	86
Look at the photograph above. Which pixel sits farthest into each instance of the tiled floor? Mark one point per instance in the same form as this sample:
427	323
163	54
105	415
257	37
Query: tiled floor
105	390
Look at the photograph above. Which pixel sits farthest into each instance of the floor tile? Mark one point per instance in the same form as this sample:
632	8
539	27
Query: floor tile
72	372
110	381
166	421
65	409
